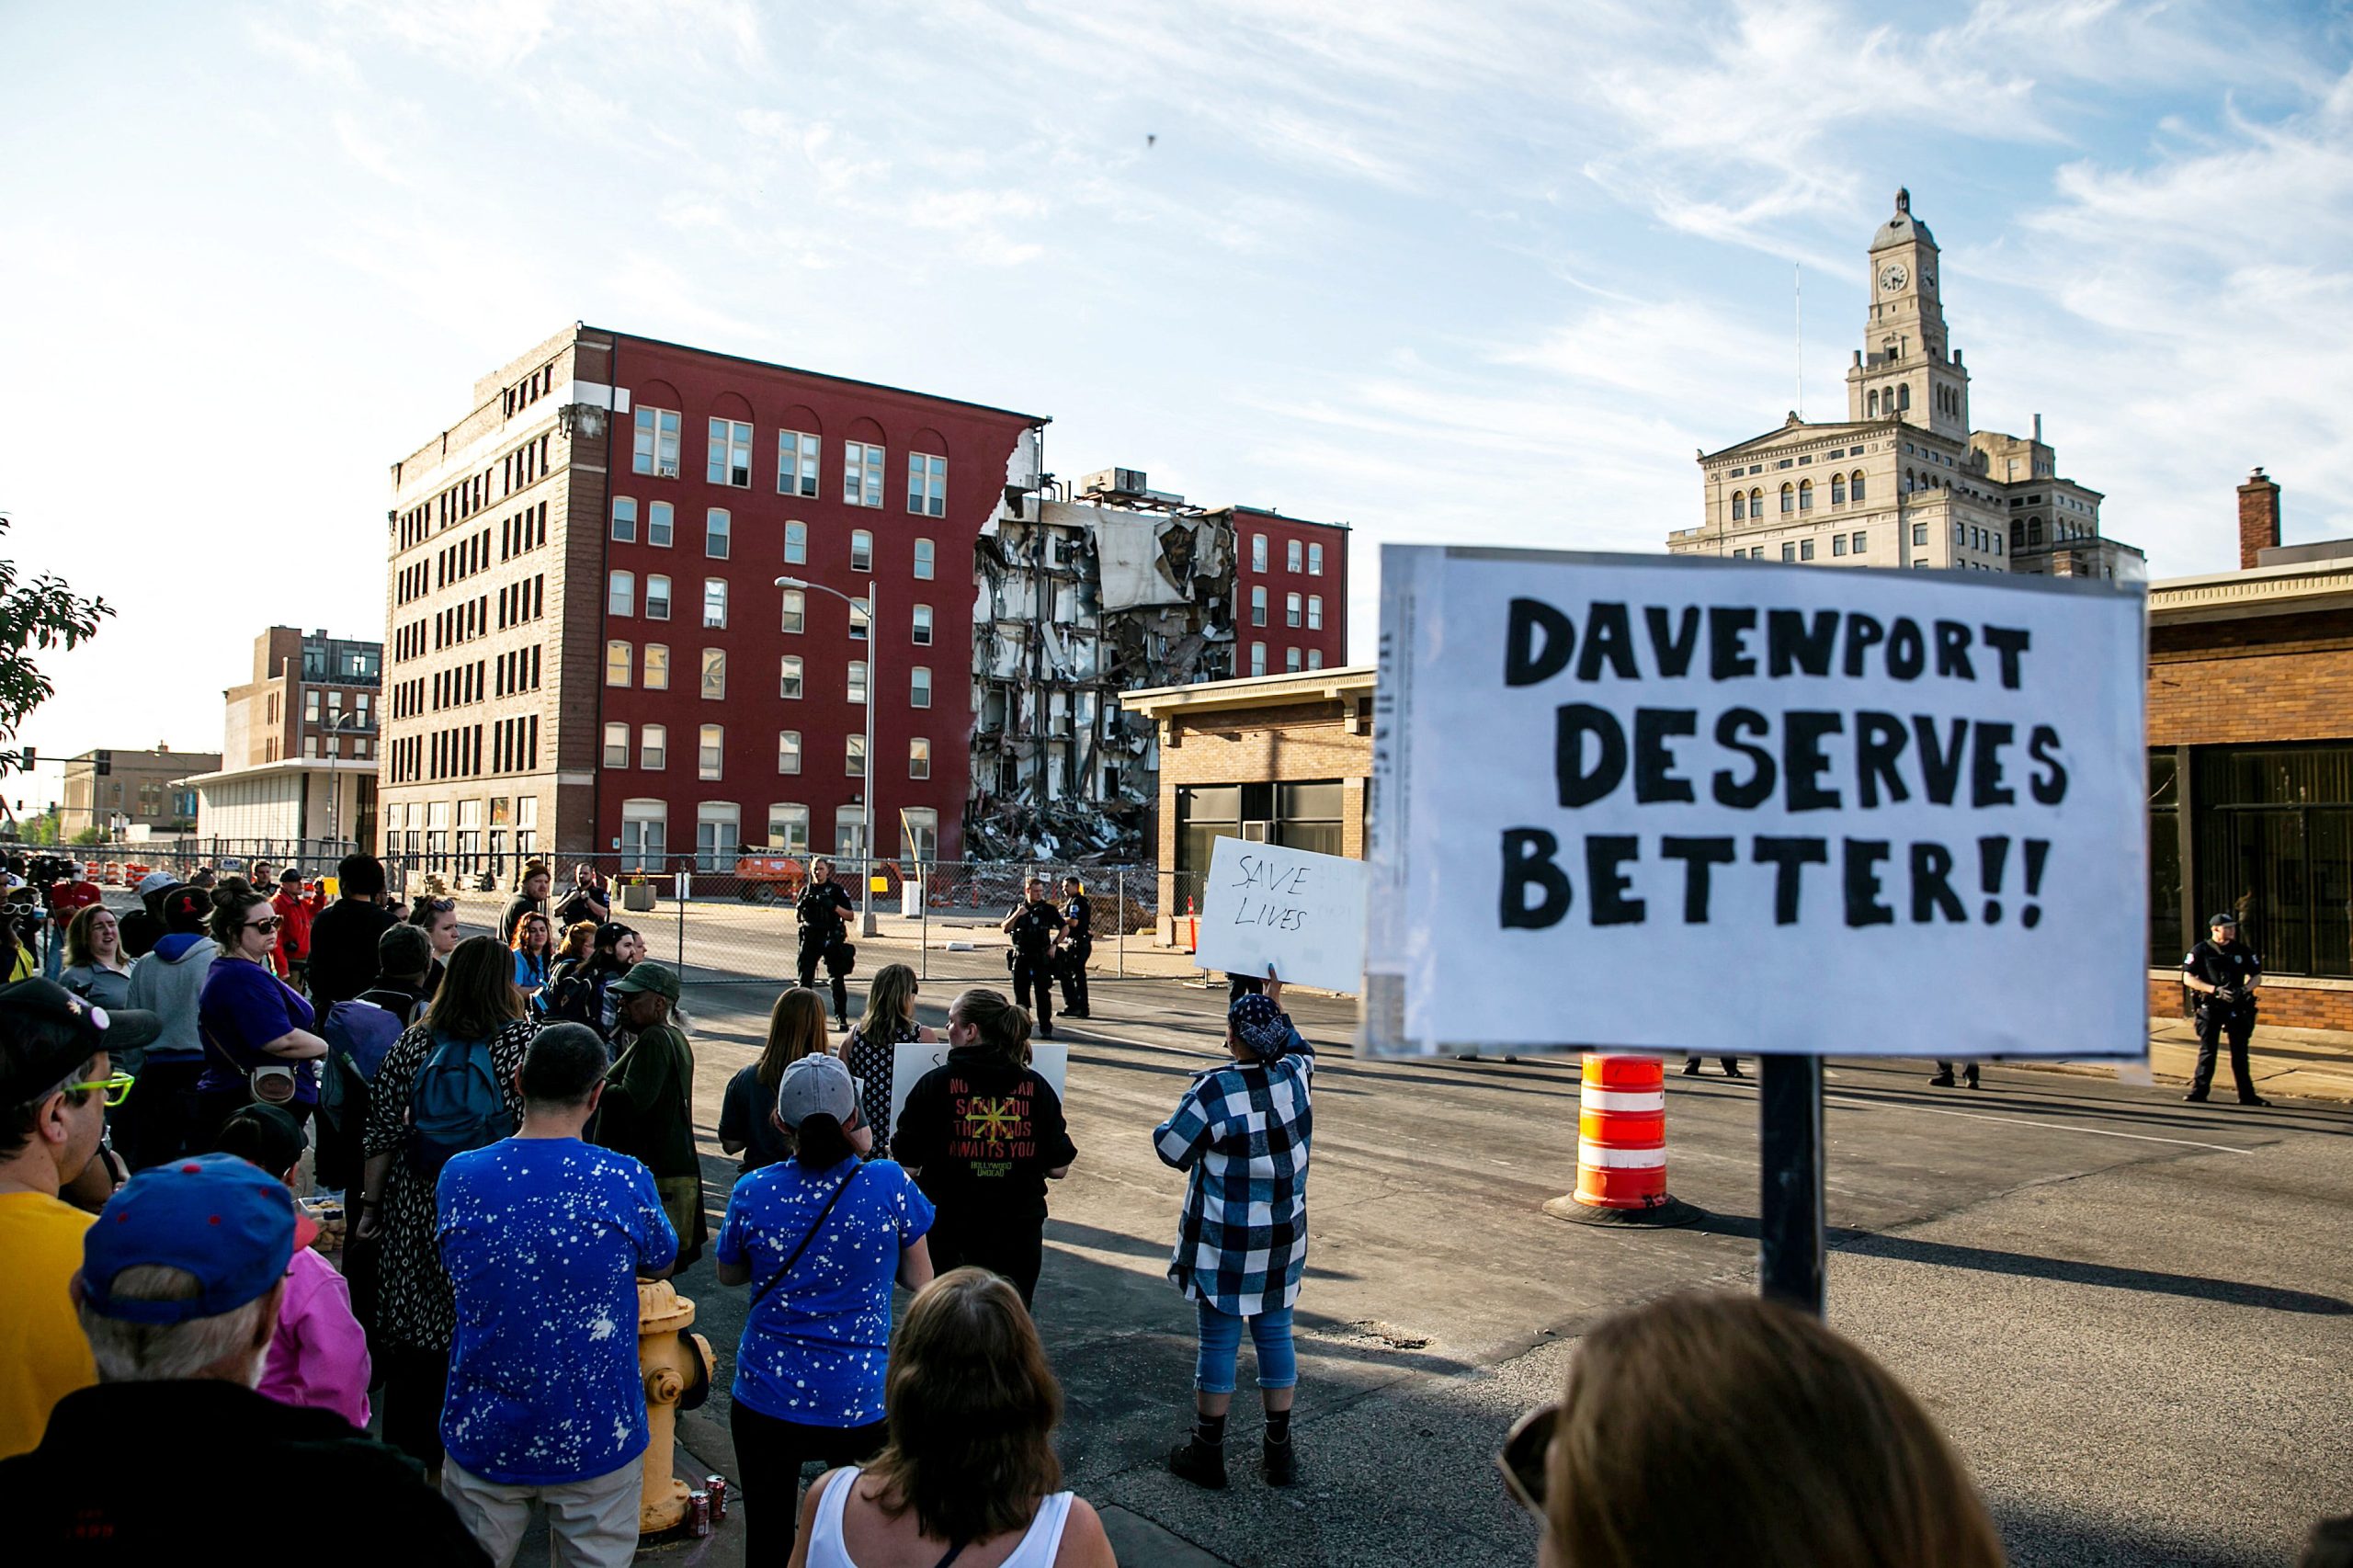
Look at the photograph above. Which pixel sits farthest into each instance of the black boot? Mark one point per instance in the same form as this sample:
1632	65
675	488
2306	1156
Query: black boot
1278	1460
1943	1080
1691	1067
1969	1075
1202	1463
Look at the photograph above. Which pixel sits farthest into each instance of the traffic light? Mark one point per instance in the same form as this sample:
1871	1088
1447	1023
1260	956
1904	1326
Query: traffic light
106	764
29	759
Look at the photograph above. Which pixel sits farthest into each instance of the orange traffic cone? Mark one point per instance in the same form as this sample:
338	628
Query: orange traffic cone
1622	1147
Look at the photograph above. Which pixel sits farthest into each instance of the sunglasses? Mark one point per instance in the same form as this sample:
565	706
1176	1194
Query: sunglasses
267	923
1521	1458
116	1085
441	905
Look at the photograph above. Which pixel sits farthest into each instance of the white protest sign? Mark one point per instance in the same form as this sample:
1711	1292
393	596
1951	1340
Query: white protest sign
1299	911
910	1062
1651	803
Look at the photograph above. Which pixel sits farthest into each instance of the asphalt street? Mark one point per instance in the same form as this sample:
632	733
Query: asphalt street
2133	1316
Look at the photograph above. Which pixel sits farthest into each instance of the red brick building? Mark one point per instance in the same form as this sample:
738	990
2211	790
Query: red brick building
1291	592
587	649
2251	766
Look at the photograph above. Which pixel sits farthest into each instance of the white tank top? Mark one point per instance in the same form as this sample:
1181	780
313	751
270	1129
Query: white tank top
1038	1547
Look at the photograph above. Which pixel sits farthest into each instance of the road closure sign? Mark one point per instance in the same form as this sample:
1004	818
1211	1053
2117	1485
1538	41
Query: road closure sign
1299	911
1651	804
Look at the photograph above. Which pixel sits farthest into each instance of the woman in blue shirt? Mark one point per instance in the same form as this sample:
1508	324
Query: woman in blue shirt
250	1021
530	940
820	1238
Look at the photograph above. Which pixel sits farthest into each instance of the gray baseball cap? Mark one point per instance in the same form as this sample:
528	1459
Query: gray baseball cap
817	1086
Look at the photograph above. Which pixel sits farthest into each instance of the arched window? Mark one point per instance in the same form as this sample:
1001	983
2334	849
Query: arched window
1755	504
1806	496
2033	531
1903	398
1789	498
1873	403
1837	489
2017	534
1910	483
1739	504
1855	484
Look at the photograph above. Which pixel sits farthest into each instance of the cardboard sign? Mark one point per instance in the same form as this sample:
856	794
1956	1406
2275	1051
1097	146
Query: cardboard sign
1299	911
1653	803
1048	1059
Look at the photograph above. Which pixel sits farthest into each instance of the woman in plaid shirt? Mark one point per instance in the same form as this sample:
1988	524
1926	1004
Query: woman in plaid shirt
1242	1131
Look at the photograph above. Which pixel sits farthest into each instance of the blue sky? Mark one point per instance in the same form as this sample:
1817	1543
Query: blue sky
1445	271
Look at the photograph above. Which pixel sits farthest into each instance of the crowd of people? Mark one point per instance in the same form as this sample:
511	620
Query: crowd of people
513	1133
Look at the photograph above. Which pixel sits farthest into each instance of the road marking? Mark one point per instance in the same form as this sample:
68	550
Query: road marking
2041	1122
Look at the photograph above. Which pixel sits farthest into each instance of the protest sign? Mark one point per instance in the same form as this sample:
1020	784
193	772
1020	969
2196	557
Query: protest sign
910	1062
1652	803
1299	911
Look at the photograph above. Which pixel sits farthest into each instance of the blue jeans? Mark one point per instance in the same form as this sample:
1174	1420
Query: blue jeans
1221	1344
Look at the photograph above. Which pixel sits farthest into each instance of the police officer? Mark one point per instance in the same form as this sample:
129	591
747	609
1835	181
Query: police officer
2224	972
1033	925
1077	946
822	909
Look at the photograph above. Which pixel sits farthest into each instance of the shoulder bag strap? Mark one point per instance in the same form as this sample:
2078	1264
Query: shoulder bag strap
822	1215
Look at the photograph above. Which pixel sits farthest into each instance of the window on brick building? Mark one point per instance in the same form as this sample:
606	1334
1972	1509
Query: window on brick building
659	516
620	593
922	629
1257	658
1315	658
924	554
1316	561
1258	606
1292	612
717	525
1292	657
861	473
710	752
1258	552
796	544
918	757
854	755
788	677
796	456
1315	612
714	675
788	751
731	454
1294	555
927	484
857	683
919	687
656	449
619	666
858	620
616	746
624	519
861	550
796	612
657	667
714	603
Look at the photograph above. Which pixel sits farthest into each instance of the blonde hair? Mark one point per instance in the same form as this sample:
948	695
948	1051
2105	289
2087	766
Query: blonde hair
1005	1028
1810	1454
890	1000
578	939
796	1028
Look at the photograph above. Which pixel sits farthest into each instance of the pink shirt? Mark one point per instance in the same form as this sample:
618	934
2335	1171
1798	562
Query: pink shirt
319	1359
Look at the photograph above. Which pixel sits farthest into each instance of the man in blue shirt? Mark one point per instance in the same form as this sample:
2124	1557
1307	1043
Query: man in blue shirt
543	1236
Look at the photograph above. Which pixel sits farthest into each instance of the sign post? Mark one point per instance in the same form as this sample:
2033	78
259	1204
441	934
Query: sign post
1790	1240
1299	911
1645	804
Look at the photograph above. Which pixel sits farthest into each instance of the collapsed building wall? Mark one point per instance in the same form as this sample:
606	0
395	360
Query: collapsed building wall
1077	602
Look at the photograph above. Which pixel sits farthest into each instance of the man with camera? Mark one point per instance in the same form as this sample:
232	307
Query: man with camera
2224	972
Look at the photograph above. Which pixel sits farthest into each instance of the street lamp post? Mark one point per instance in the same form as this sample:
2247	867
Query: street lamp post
348	720
873	690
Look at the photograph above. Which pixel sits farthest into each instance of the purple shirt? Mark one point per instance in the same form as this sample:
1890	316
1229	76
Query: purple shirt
243	1008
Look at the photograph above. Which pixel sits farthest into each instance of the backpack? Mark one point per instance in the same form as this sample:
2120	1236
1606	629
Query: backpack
357	1034
455	1105
570	996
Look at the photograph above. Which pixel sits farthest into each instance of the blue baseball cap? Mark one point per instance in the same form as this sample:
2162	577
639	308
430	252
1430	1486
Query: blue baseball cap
1260	1024
228	1223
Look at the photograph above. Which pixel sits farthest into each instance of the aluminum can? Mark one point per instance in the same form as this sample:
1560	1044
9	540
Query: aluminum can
698	1520
717	1487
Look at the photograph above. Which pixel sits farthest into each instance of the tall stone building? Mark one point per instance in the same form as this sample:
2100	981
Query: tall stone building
1904	480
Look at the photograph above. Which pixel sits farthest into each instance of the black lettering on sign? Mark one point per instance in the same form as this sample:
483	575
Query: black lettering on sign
1791	644
1538	641
1673	650
1608	639
1607	884
1655	778
1864	905
1728	654
1744	795
1788	856
1580	784
1529	866
1699	857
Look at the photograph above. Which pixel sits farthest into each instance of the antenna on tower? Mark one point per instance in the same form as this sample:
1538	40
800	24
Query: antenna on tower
1797	285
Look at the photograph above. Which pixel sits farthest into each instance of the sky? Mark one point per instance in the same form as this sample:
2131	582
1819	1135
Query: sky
1449	272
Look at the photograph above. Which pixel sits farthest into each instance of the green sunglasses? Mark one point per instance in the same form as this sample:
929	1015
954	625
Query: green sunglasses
116	1085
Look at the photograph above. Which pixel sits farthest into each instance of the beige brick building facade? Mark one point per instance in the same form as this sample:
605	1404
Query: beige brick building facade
1284	759
1904	479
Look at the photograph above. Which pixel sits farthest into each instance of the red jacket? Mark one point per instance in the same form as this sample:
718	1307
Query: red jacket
294	933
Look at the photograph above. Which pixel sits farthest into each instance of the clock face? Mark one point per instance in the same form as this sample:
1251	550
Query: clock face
1892	276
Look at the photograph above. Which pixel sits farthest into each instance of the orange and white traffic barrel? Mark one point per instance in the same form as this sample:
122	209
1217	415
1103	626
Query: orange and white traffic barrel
1622	1147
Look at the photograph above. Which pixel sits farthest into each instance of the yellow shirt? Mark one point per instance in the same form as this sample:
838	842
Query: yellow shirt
43	1355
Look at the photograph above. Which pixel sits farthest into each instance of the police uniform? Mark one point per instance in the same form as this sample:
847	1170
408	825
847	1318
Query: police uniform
1078	927
1033	928
822	908
2234	967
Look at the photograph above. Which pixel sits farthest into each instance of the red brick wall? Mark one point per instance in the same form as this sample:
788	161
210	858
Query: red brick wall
2269	678
1332	586
2258	517
2285	1004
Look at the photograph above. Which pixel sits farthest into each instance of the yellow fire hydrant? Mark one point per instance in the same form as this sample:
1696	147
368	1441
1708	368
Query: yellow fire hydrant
667	1361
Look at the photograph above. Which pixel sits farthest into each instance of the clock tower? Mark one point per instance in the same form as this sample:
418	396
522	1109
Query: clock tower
1906	369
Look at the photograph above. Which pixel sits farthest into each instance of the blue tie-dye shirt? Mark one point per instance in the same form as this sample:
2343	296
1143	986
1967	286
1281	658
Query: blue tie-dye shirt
544	1239
815	1349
